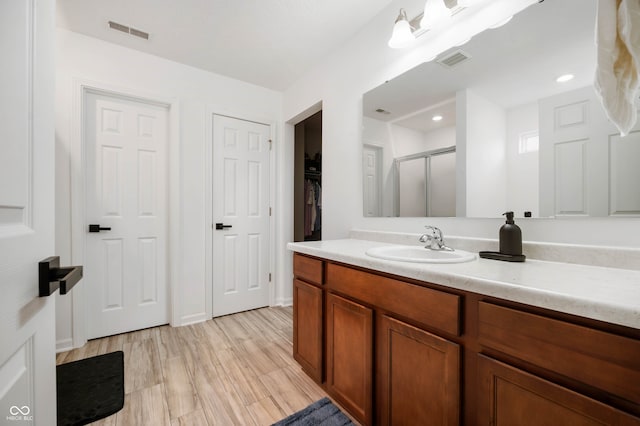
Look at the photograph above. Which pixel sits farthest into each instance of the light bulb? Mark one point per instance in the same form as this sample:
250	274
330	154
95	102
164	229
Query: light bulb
402	35
435	11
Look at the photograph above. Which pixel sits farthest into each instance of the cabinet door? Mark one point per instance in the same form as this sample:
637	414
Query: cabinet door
307	328
418	376
508	396
350	356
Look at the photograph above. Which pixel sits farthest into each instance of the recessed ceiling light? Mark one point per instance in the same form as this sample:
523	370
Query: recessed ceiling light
436	118
564	78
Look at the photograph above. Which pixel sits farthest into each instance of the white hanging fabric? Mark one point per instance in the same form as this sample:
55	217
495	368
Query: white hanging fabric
618	60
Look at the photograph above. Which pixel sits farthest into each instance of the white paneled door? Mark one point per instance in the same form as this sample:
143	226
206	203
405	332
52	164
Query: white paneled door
126	202
372	180
27	203
586	167
241	212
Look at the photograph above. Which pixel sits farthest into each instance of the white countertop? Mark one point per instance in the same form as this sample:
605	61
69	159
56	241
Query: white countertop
606	294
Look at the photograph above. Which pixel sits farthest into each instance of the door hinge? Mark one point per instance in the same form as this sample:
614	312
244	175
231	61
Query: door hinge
270	144
269	276
269	211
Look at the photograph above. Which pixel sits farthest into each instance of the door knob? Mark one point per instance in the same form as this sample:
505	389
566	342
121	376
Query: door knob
52	277
98	228
222	226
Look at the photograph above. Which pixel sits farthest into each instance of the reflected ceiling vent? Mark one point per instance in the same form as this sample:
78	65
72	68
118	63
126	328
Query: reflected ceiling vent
128	30
382	111
454	58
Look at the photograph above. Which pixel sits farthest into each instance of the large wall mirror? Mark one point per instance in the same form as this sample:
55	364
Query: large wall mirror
487	127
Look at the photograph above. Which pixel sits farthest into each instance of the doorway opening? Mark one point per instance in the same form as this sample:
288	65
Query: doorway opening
308	179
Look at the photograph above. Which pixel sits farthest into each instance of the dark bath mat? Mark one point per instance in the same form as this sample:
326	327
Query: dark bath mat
322	412
90	389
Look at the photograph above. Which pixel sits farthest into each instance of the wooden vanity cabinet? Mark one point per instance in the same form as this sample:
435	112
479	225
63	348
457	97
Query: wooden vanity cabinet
308	316
397	351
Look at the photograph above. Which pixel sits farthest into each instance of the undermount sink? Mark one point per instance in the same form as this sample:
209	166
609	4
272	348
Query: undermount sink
419	254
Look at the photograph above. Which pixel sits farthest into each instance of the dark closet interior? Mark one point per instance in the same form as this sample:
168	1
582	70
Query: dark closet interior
308	179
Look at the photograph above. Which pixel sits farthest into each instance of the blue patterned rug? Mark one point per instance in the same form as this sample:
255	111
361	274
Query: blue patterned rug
322	412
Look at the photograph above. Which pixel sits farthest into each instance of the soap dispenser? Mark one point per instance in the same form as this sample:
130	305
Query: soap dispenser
510	237
510	243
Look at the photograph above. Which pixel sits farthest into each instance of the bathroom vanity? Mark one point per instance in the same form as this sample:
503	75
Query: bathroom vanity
472	343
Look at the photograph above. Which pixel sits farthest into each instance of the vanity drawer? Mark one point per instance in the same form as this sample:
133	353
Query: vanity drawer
426	306
594	357
307	268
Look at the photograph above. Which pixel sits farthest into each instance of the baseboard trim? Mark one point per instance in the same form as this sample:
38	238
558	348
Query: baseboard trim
284	302
64	345
193	319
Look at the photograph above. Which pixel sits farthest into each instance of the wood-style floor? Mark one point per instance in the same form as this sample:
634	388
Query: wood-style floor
232	370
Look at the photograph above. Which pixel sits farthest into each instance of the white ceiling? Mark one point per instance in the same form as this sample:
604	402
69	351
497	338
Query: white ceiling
422	120
270	43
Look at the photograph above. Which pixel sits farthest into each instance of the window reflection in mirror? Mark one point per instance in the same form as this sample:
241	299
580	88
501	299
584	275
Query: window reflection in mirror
524	141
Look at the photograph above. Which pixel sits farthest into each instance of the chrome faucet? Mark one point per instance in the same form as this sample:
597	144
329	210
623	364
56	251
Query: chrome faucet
434	239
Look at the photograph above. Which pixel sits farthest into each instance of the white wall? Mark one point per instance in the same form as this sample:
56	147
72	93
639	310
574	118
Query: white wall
485	144
339	82
440	138
198	93
522	169
406	141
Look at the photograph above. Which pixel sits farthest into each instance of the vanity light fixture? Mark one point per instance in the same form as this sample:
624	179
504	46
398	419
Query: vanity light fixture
436	117
406	30
402	35
564	78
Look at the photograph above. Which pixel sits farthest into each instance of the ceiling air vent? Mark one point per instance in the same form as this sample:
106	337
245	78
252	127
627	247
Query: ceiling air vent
128	30
454	58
